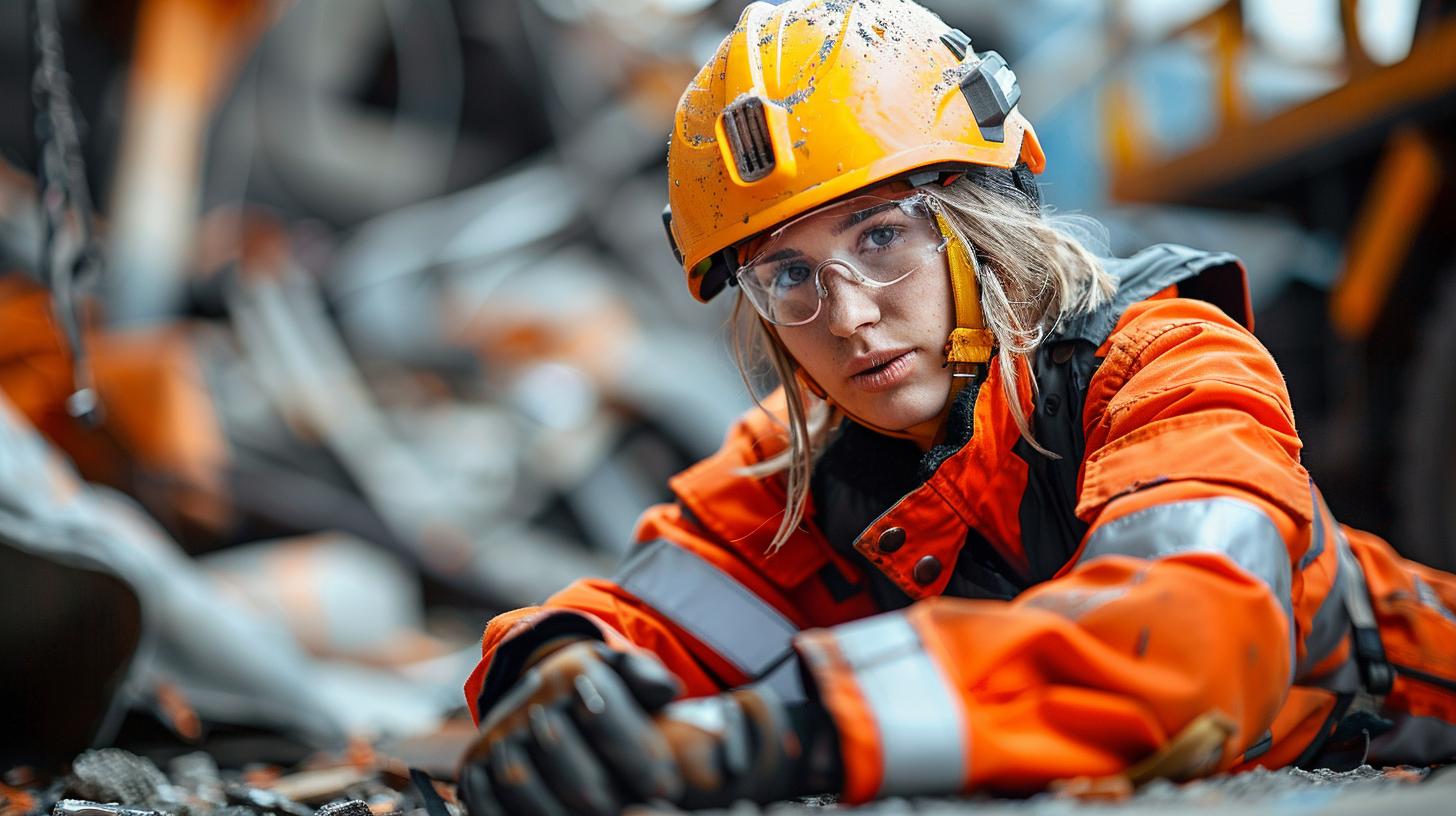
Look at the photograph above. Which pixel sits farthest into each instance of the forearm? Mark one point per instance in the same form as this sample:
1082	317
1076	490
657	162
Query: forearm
1083	676
595	609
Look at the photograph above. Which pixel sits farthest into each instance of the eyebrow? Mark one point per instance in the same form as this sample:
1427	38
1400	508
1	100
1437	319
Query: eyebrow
856	217
781	255
839	229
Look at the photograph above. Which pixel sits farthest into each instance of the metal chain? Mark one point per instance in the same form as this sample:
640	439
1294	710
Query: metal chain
70	255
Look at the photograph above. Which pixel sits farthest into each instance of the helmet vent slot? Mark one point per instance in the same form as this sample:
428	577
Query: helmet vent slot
746	124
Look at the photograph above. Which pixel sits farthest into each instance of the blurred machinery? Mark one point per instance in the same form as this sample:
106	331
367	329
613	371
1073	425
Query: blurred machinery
386	302
369	262
1368	164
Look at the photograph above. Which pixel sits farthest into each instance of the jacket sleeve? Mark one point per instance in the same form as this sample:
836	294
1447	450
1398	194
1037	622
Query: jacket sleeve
703	596
1178	603
607	610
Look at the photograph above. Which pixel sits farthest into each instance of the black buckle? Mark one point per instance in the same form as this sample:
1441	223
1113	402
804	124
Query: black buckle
1375	671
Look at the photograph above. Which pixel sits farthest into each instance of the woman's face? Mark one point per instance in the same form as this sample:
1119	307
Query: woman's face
877	351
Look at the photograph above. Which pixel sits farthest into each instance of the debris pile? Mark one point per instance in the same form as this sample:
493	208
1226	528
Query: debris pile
114	782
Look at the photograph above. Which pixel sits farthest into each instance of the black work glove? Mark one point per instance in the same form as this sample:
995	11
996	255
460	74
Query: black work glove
574	735
748	744
577	734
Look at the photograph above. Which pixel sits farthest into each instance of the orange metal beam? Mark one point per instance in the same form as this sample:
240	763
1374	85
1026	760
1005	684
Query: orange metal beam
1427	74
1357	59
1228	48
1396	205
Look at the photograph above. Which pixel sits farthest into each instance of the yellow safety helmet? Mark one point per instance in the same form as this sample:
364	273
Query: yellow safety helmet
810	100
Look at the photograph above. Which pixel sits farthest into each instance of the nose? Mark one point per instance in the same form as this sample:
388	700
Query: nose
848	306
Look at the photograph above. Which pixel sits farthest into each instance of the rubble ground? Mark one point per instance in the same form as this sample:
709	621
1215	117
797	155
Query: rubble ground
114	782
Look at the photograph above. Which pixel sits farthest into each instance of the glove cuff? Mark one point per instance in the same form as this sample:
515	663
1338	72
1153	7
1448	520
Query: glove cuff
820	769
796	746
524	649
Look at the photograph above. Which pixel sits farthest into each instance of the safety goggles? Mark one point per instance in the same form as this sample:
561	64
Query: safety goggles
873	240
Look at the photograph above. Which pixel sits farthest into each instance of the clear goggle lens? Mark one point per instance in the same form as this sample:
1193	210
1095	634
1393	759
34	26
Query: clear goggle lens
873	240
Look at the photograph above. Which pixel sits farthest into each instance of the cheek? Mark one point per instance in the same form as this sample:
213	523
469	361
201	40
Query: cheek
925	301
939	298
808	346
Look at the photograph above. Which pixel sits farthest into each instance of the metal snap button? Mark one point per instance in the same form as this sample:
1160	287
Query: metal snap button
891	539
926	570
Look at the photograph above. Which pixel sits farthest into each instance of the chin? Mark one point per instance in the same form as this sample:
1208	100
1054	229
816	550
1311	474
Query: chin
904	412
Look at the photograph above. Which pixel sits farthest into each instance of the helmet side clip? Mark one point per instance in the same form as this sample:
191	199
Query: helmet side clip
989	85
991	88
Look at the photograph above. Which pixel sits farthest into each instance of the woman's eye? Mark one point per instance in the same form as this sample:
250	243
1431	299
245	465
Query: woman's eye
881	237
790	276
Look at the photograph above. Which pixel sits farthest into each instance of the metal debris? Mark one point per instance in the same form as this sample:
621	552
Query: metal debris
198	772
80	807
120	783
350	807
267	801
114	775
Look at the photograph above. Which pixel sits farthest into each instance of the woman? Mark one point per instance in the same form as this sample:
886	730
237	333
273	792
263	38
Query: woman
1020	515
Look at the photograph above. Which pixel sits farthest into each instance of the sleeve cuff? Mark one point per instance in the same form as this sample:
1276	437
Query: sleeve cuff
900	724
510	657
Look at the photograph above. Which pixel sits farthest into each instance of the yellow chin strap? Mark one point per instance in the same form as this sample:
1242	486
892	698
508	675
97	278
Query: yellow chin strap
970	344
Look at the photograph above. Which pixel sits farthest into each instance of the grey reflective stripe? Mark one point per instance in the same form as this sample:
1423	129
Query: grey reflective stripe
916	712
1318	533
1223	525
1356	595
1331	622
785	680
1343	680
1346	609
1429	597
1330	625
717	610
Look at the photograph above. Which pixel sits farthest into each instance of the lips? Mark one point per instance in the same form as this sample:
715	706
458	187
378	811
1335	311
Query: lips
881	370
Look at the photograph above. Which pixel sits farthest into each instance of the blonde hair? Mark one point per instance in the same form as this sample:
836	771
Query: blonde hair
1034	269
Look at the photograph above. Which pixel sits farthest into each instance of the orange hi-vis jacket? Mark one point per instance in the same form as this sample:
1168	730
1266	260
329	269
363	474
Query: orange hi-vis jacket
987	617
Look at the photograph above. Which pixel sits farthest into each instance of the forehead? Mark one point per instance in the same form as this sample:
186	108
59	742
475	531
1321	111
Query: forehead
829	219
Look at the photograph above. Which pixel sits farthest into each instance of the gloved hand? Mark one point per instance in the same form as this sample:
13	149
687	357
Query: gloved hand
748	744
577	735
574	735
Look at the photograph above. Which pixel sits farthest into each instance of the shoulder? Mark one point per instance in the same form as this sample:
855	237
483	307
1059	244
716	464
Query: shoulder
1173	299
721	497
1182	355
758	435
1158	272
1142	323
741	511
